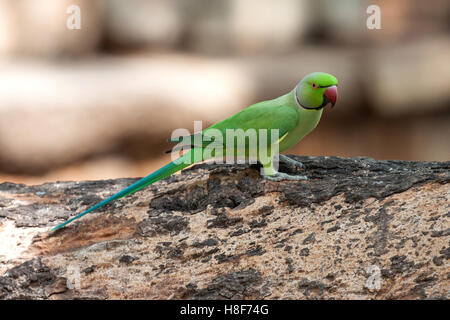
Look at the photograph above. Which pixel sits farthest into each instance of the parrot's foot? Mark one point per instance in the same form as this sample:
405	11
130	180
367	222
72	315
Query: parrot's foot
291	162
279	176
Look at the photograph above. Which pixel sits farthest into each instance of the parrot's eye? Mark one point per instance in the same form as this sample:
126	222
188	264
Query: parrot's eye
314	85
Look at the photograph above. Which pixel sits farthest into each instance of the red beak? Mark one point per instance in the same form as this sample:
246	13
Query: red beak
331	94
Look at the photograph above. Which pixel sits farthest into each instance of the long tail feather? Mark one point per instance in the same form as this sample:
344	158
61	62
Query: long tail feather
159	174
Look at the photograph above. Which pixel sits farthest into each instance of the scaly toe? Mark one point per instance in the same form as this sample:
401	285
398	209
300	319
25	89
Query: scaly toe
279	176
291	162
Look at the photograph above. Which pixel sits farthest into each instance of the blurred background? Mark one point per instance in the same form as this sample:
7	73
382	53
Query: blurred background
100	102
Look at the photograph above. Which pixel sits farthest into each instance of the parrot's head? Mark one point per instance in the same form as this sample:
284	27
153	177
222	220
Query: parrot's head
316	90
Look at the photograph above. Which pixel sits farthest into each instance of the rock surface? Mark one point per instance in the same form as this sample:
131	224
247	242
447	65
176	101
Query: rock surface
357	229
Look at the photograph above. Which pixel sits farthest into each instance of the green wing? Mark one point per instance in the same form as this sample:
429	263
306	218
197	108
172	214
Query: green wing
263	115
266	115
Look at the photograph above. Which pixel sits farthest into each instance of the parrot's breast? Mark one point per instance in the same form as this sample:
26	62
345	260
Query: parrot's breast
307	121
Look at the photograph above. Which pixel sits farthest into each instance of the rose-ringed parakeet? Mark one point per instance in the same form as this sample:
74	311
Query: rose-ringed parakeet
291	116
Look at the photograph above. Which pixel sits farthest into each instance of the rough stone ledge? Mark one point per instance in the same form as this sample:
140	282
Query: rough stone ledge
357	229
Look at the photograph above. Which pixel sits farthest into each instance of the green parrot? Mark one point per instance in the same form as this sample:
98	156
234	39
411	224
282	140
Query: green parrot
286	119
